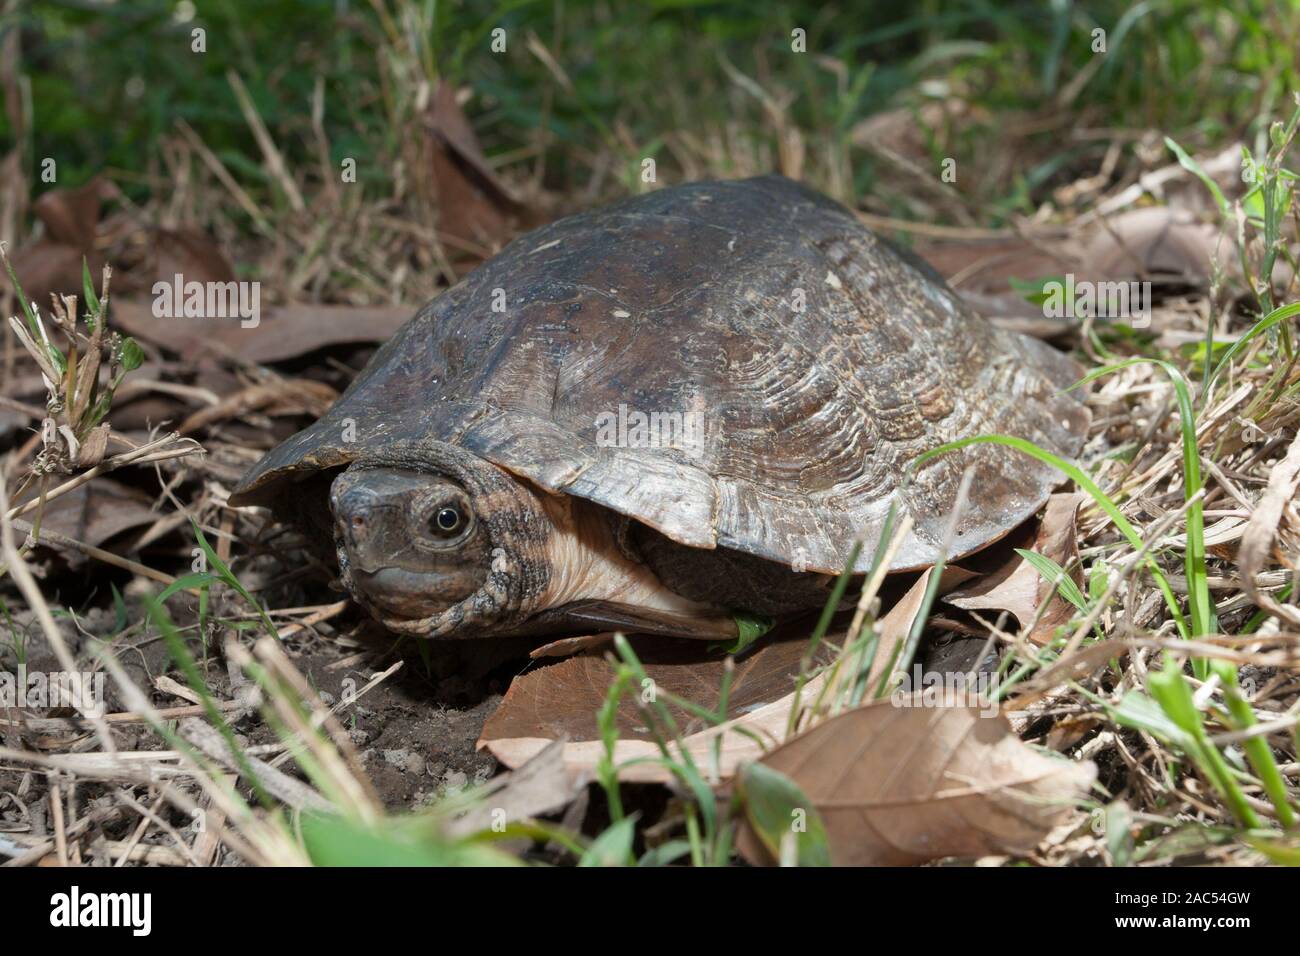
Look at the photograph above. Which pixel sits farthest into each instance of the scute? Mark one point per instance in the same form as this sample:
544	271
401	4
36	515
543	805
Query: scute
819	361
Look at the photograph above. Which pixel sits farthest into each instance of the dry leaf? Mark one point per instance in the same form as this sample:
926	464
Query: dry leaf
568	646
53	263
561	700
284	397
45	268
94	447
283	332
1015	586
894	627
987	265
1257	542
192	255
1154	241
982	270
539	787
71	215
1065	732
96	512
475	209
902	785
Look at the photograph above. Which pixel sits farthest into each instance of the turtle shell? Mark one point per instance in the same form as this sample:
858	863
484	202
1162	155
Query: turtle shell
804	361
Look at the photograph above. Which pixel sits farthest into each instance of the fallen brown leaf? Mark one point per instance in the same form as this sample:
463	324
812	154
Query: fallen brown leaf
46	268
568	646
296	396
1154	241
561	700
900	786
1257	541
1014	585
284	332
71	215
894	627
908	131
96	512
53	263
475	210
540	786
192	254
94	447
986	266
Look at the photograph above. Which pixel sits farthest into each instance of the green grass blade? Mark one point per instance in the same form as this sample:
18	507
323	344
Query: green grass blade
1277	316
1193	167
1198	588
1080	478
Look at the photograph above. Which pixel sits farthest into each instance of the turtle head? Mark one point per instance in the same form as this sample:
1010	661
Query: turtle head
437	542
412	543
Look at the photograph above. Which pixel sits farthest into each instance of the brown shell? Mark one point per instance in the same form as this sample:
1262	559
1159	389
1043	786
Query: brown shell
687	300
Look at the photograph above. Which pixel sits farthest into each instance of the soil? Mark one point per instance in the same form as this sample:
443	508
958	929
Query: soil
415	731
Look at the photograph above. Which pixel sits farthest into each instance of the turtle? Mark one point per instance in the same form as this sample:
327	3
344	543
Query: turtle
665	415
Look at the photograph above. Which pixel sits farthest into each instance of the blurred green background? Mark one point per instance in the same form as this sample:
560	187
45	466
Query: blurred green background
704	88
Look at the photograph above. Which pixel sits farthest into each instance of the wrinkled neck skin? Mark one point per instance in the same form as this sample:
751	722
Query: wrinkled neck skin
517	526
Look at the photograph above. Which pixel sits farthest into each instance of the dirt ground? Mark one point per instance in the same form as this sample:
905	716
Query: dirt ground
415	730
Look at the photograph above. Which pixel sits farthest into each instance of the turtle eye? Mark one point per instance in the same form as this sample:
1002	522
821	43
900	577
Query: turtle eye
446	521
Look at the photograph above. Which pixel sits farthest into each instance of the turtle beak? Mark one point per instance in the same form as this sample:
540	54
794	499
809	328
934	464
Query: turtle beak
377	519
358	512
